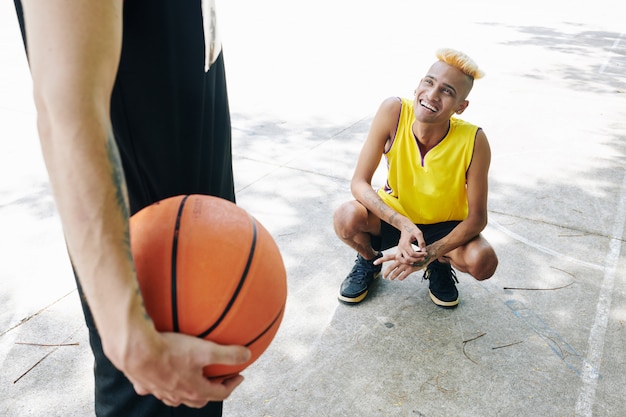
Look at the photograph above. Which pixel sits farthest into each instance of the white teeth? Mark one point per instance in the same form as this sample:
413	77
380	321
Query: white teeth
428	106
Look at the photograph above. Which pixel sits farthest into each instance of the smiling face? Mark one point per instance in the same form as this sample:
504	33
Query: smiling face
441	93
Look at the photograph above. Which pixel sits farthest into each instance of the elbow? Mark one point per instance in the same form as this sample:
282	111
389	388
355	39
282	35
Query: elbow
56	115
44	128
44	119
355	187
483	222
478	222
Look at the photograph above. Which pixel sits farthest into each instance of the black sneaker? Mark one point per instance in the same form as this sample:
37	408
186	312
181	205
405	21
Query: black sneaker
354	287
441	286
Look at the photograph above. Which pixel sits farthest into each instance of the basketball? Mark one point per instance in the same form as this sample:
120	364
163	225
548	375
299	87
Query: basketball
207	268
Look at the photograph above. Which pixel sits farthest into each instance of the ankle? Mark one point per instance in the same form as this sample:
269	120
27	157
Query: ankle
371	256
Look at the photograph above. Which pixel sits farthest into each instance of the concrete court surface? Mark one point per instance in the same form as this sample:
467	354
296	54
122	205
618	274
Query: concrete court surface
543	337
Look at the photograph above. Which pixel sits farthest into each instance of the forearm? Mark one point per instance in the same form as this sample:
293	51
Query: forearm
477	189
366	195
88	185
465	231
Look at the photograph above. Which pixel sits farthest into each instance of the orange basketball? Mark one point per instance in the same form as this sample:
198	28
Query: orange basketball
207	268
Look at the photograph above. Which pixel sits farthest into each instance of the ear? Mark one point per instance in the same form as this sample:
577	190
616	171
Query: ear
461	108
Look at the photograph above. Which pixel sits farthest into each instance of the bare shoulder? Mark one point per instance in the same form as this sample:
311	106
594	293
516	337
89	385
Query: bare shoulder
386	118
481	142
482	153
390	106
481	135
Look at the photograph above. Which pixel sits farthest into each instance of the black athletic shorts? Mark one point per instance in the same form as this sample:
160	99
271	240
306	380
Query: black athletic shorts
389	235
171	122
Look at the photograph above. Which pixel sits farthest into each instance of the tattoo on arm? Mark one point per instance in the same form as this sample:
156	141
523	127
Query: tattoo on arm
119	182
420	264
117	174
383	209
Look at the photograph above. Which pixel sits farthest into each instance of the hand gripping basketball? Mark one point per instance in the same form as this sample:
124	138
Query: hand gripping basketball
209	269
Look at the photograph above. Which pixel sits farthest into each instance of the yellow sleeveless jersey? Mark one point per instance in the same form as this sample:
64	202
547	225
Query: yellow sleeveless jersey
428	188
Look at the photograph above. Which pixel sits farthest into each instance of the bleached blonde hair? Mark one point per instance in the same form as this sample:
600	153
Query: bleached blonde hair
460	61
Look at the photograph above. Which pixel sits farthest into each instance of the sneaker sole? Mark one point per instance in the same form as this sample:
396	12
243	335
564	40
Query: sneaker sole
355	300
443	304
358	298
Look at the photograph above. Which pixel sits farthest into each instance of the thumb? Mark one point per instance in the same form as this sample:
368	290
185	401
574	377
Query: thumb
214	353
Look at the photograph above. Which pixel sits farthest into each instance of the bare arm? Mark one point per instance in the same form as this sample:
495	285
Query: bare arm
74	49
477	189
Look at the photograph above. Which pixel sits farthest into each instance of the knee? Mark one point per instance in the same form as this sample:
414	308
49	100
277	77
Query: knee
347	218
484	265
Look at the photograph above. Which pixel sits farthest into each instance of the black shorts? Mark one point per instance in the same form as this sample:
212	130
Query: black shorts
389	235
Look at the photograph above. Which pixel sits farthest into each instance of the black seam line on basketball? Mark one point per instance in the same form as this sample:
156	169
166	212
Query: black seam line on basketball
267	329
256	338
244	275
173	275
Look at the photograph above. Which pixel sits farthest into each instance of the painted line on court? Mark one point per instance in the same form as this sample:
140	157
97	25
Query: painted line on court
589	372
555	342
559	346
608	60
587	394
542	248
